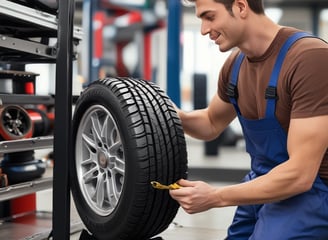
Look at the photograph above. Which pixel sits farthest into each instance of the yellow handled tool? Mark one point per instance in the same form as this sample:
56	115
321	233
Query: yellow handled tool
158	185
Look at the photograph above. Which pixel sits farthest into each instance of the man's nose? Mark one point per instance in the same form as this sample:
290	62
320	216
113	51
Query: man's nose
205	29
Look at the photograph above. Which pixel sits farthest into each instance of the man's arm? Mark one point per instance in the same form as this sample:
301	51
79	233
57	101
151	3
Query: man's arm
307	143
208	123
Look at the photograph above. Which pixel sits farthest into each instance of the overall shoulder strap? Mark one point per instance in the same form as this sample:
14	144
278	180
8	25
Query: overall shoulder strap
271	91
232	90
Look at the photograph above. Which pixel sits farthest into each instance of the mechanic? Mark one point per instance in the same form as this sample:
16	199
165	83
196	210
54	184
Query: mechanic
276	83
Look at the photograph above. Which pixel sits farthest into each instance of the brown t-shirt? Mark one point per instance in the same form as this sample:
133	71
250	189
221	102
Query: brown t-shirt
302	85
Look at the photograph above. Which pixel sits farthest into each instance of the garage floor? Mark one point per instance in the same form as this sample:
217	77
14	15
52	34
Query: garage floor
208	225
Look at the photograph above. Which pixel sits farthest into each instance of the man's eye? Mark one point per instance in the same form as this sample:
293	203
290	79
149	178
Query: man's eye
210	18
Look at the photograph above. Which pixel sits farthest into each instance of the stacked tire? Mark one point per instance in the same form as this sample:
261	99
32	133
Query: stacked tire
15	123
126	133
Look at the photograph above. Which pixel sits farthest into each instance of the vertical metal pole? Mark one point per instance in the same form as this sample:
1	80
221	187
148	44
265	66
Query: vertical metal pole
315	19
90	72
173	51
87	41
63	110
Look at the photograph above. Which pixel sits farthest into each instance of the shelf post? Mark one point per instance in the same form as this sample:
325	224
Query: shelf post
63	117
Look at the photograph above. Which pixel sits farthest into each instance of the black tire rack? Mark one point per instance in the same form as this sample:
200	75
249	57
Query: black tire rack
21	24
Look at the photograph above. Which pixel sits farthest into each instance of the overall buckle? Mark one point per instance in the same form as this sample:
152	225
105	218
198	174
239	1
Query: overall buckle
232	91
271	93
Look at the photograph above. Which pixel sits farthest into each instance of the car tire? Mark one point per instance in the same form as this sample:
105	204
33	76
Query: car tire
126	133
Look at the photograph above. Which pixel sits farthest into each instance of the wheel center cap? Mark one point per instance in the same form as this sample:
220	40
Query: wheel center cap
102	159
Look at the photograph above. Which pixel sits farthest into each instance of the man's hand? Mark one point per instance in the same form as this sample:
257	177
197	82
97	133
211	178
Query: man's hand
195	196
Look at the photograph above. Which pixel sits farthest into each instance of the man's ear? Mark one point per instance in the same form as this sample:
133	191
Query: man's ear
240	7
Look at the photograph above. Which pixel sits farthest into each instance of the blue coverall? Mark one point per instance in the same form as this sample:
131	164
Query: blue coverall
302	217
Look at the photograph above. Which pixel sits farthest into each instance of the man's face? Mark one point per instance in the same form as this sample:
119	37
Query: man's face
222	26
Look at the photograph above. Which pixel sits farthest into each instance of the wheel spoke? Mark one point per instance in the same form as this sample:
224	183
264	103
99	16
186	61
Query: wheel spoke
115	148
111	192
88	141
96	128
119	166
90	175
100	191
104	130
18	132
8	115
115	195
87	162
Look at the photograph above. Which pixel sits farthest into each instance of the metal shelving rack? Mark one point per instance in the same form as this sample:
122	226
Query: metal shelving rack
23	23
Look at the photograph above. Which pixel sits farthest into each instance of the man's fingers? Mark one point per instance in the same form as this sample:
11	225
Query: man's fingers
186	183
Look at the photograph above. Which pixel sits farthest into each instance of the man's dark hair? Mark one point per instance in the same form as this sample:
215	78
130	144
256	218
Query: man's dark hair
256	5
